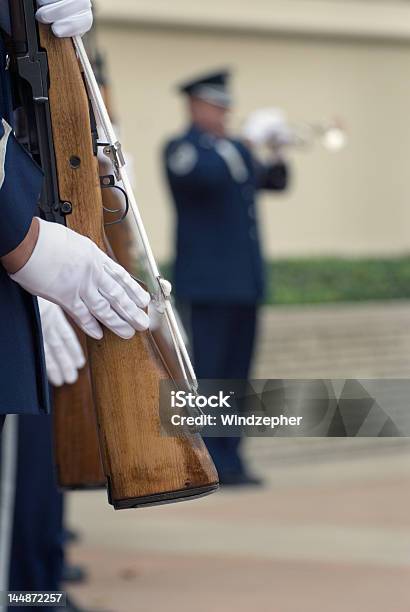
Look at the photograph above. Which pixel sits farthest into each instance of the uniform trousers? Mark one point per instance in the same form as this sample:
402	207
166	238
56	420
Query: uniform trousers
223	338
37	543
36	533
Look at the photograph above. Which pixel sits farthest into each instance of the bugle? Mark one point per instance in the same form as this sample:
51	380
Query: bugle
269	129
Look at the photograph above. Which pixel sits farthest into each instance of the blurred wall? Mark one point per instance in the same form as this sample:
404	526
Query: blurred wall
353	203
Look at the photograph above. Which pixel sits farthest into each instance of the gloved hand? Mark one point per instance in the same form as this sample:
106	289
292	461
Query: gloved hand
64	354
68	17
266	127
70	270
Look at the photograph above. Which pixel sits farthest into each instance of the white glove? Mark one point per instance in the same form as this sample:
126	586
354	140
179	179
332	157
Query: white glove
266	126
70	270
68	17
63	351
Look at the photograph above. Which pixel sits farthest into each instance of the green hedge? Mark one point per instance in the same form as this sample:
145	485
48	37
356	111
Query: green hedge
303	281
331	279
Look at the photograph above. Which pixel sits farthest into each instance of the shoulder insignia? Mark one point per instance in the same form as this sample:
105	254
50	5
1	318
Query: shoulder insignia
183	159
233	159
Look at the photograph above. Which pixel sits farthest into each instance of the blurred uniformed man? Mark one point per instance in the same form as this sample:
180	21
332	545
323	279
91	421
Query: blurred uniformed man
214	179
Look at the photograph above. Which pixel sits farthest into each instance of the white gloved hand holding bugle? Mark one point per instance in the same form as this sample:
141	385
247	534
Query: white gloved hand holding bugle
266	127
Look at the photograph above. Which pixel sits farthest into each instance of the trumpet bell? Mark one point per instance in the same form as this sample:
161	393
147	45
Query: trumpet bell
334	139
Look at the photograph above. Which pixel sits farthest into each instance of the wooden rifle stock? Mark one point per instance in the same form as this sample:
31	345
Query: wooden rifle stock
142	466
76	446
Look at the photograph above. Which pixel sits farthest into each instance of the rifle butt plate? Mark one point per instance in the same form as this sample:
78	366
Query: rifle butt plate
163	498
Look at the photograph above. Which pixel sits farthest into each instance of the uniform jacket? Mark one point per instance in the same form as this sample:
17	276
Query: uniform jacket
213	183
23	383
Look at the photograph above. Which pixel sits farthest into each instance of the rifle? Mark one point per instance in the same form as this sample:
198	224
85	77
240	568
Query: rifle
142	467
76	449
77	454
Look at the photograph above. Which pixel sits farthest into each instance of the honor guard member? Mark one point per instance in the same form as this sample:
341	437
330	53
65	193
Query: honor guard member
218	277
40	258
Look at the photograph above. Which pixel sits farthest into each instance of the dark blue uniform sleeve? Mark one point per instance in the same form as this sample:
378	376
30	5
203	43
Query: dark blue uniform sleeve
20	187
188	168
273	177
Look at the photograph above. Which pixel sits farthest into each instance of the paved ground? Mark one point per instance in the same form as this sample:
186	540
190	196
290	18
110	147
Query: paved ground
358	341
330	532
